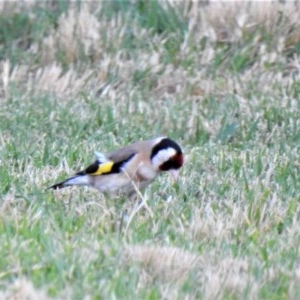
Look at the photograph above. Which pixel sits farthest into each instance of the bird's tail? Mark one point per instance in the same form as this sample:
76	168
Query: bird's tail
75	180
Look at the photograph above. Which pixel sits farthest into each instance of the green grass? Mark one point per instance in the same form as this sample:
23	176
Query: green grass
229	229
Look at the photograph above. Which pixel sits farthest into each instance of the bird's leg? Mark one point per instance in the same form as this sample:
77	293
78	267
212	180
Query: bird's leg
142	203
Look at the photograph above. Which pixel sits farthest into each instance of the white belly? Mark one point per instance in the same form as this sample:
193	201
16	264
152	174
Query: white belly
117	184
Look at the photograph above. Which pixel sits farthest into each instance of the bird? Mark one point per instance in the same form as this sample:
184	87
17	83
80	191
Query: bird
127	169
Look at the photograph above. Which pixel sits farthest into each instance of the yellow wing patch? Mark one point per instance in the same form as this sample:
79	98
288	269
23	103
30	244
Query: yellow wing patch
103	168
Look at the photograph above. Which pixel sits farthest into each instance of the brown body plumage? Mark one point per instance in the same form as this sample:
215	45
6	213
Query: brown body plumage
133	166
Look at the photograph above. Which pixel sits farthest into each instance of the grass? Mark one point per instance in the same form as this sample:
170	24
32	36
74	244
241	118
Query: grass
86	76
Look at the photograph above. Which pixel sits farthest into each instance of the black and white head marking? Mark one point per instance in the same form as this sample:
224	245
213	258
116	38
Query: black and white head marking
167	155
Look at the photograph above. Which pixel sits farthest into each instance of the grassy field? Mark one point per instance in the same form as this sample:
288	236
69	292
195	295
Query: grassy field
222	79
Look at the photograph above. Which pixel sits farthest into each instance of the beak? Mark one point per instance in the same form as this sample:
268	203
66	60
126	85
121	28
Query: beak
174	174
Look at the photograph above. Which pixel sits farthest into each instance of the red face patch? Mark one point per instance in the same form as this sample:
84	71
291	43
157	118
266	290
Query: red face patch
178	158
174	163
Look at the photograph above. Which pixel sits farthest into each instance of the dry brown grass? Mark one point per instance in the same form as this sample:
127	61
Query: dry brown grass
215	277
141	91
23	289
79	33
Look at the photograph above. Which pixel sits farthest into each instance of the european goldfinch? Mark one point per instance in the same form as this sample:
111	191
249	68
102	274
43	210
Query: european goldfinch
133	166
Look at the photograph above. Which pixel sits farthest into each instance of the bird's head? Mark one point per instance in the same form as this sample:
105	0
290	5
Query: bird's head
167	155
